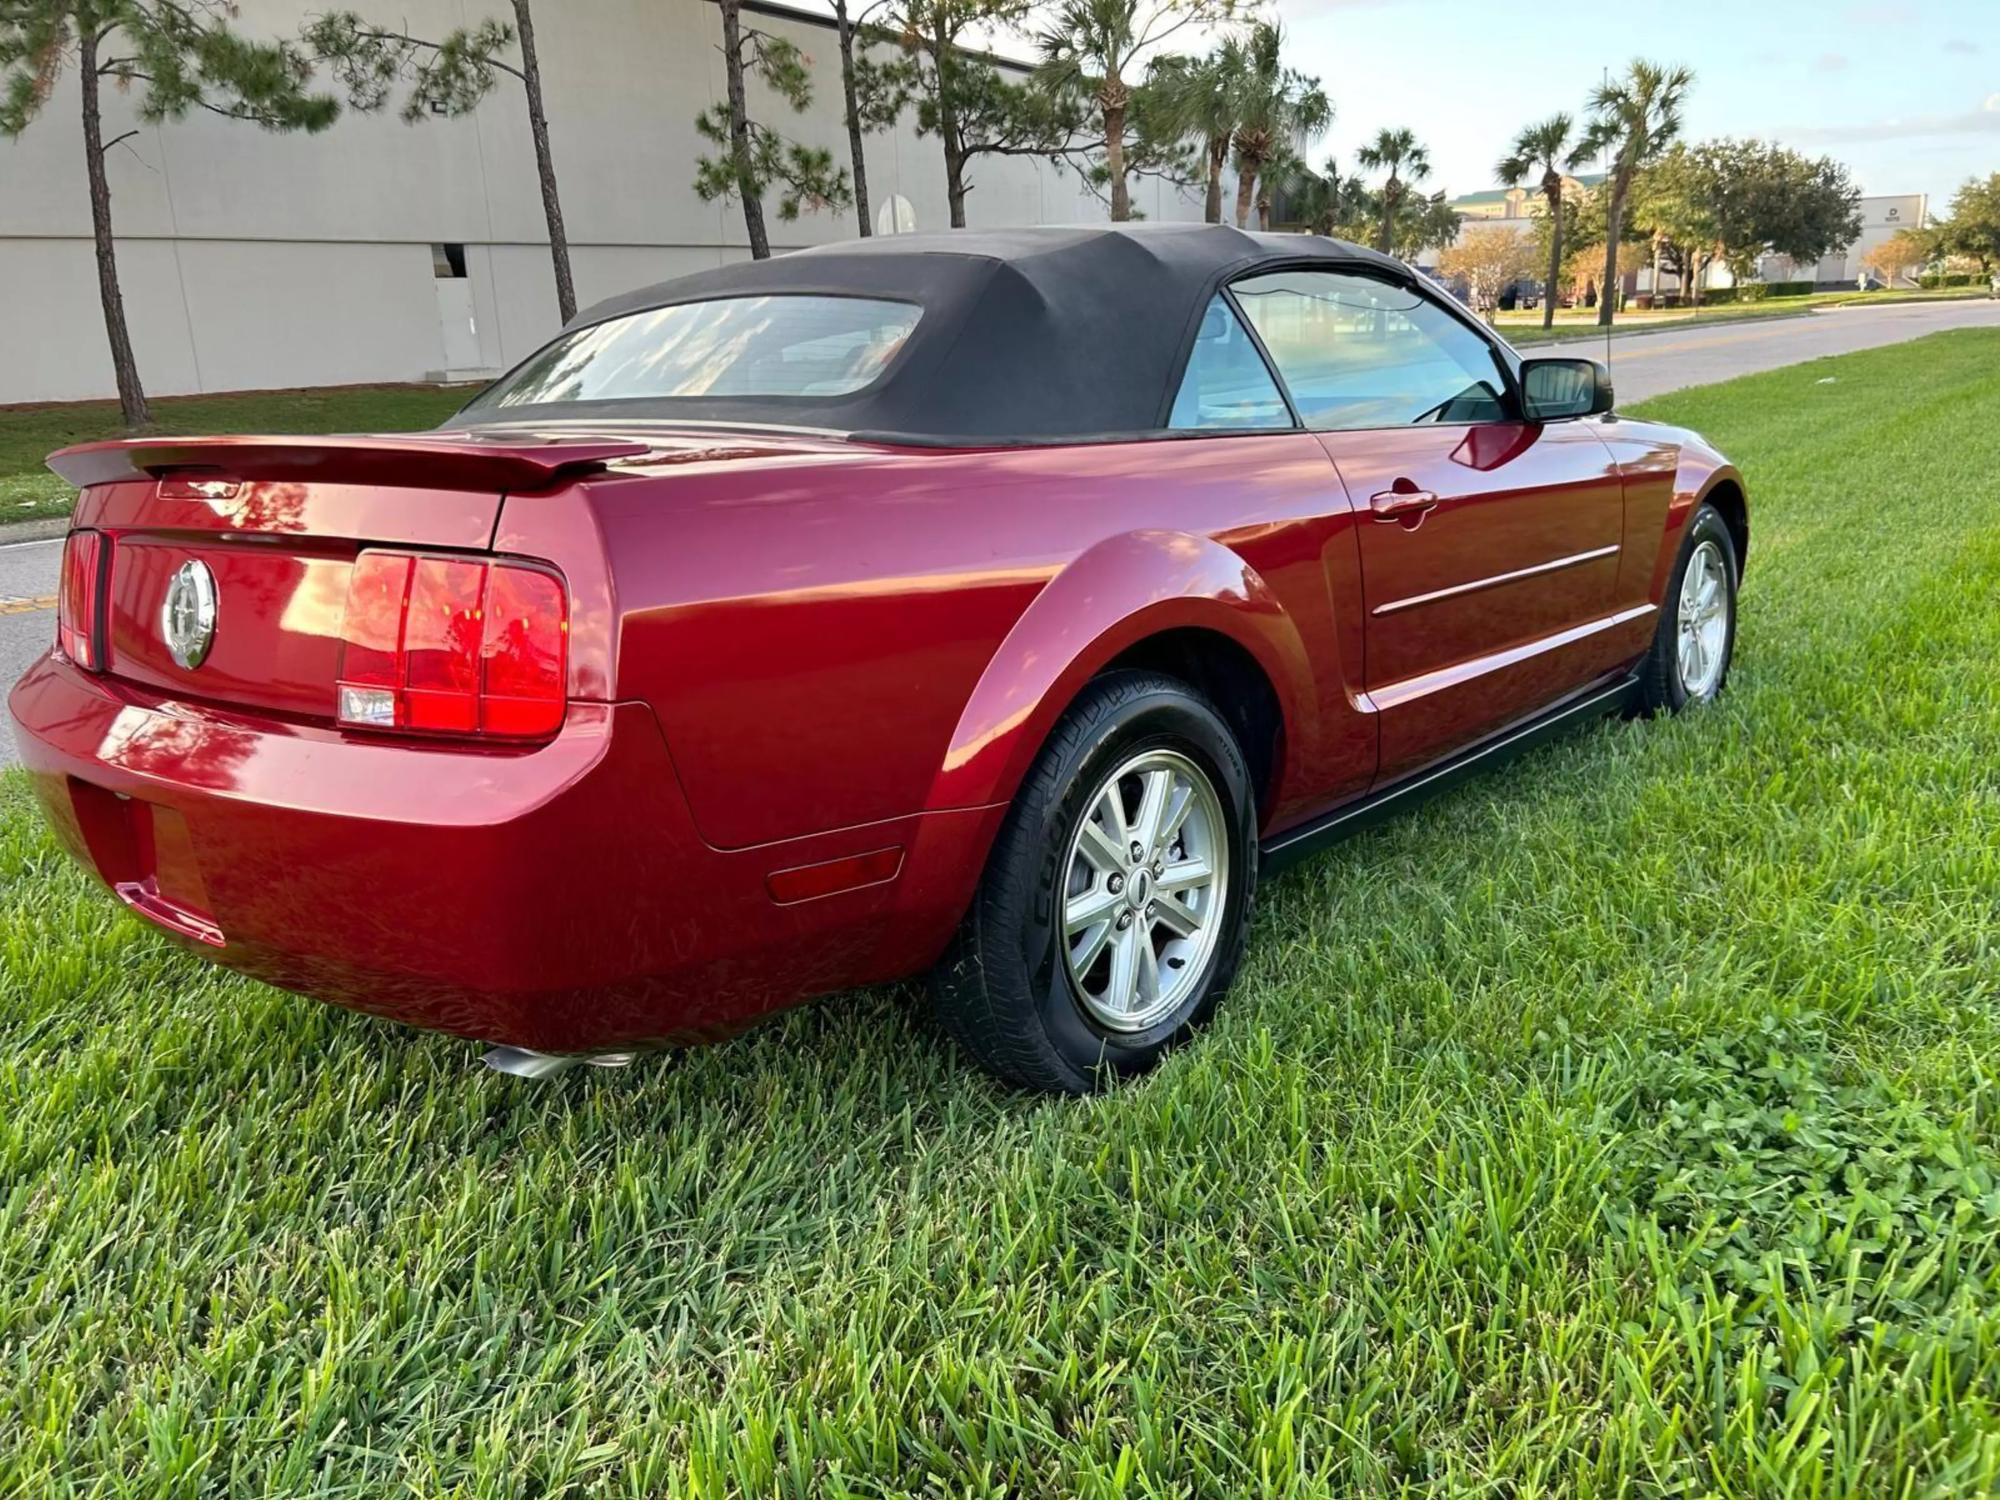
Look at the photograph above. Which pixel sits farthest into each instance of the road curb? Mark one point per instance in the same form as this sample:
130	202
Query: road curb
1689	325
12	532
1901	301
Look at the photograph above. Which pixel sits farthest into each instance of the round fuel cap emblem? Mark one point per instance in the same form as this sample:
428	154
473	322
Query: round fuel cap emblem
187	618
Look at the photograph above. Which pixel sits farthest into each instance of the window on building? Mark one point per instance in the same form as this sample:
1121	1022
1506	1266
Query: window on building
1356	352
448	262
1226	383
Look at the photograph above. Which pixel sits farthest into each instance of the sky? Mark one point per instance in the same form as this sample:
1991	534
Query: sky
1905	92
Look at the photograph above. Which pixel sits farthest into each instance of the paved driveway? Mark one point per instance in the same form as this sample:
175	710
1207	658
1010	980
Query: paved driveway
1642	364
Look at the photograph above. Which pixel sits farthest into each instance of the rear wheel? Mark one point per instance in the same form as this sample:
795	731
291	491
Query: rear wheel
1114	906
1696	636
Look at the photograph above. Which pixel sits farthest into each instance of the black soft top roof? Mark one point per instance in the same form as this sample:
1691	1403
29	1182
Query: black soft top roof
1026	335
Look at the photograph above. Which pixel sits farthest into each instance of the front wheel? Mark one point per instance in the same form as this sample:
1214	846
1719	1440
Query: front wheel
1696	637
1114	906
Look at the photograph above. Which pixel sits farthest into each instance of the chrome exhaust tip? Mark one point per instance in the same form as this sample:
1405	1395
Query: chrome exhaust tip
519	1062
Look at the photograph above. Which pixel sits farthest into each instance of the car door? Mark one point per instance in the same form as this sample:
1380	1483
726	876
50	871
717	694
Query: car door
1489	552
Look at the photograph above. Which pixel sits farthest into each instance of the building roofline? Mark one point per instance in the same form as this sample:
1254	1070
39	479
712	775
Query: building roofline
823	19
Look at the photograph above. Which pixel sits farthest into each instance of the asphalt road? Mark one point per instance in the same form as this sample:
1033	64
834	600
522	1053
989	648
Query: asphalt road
27	615
1642	365
1651	364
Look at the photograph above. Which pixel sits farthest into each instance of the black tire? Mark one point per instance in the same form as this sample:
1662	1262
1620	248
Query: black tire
1661	688
1003	989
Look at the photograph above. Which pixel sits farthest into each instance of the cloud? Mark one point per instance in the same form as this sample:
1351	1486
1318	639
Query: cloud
1960	47
1982	121
1829	62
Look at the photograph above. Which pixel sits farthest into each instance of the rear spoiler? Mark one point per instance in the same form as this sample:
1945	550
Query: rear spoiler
435	461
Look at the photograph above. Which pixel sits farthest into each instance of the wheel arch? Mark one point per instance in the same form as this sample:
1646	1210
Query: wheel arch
1166	601
1702	476
1226	673
1725	493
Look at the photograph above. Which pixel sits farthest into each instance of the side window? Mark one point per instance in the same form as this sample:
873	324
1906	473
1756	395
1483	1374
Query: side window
1226	384
1355	352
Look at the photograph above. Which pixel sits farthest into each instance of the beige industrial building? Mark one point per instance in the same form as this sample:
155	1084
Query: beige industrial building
379	251
1881	216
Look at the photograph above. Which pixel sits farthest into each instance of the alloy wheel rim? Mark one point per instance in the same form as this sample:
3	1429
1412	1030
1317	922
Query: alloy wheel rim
1703	621
1144	881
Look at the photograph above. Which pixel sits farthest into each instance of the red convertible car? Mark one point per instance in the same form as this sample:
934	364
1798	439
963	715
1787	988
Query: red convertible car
998	605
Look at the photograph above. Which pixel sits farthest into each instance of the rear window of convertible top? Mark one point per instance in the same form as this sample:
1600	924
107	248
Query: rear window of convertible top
790	345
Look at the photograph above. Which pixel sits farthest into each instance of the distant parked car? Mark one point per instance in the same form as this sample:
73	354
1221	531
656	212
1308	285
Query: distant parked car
999	605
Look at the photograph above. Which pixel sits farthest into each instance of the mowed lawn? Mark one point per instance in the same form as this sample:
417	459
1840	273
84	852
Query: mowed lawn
28	434
1621	1124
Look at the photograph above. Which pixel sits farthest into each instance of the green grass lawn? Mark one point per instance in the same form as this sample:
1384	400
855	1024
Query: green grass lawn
29	434
1623	1124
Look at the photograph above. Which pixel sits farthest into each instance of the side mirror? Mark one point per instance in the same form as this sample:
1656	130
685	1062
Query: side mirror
1553	388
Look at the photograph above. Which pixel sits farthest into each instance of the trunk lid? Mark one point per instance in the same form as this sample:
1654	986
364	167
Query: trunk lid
277	522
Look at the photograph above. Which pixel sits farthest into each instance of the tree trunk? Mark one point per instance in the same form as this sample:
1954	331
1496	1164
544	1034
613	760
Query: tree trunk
131	395
853	109
1694	277
1614	219
1387	237
1549	292
739	128
1653	283
1246	191
1218	155
954	184
942	49
1114	155
545	167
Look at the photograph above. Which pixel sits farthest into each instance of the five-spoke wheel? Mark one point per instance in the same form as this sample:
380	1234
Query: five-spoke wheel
1114	905
1689	662
1704	620
1147	873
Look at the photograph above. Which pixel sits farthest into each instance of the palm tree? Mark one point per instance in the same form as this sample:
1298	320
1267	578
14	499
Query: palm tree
1277	110
1315	200
1089	47
1197	99
1547	147
1285	172
1634	118
1407	162
1324	202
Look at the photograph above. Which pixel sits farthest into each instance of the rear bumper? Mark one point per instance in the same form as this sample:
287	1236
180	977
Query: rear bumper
557	899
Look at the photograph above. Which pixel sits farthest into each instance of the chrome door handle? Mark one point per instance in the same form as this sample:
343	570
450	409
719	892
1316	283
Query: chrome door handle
1401	501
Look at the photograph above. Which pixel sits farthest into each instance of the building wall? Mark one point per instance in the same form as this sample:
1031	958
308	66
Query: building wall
251	260
1881	217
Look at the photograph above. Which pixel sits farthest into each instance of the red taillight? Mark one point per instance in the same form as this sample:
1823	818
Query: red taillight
452	645
76	604
441	632
524	654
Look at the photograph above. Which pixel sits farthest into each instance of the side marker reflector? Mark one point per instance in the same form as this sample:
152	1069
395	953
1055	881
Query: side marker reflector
809	882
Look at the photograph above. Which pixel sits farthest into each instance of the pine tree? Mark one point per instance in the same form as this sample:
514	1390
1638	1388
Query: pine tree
177	56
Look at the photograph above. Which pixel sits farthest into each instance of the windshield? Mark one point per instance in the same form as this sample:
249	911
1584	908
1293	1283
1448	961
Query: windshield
736	346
